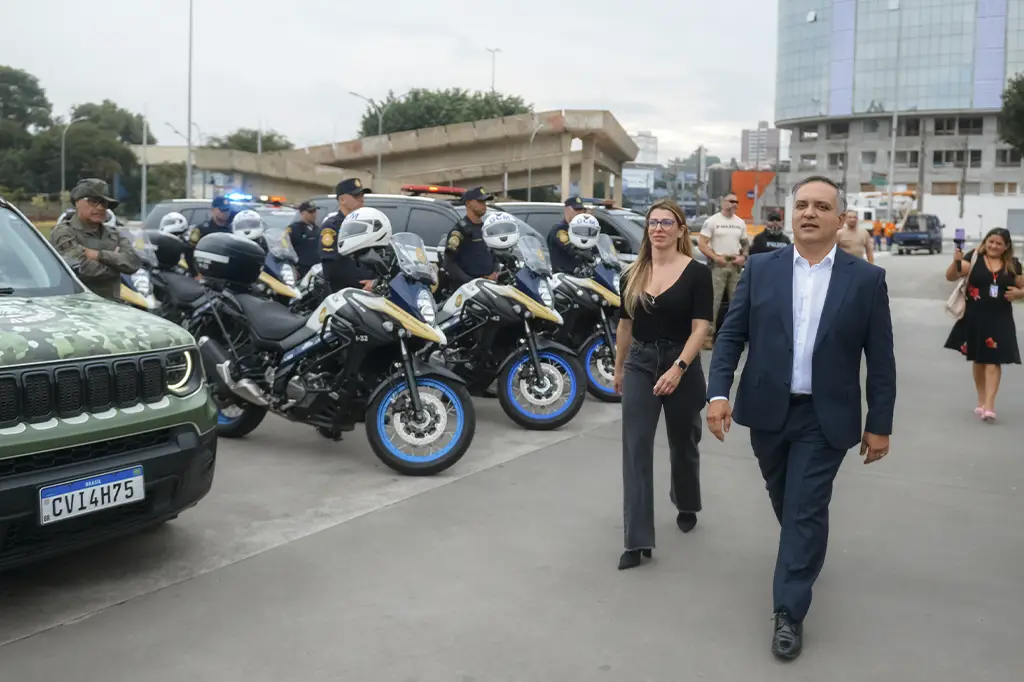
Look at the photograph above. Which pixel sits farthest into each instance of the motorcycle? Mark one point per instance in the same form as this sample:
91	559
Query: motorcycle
277	281
588	301
352	360
494	332
312	290
137	288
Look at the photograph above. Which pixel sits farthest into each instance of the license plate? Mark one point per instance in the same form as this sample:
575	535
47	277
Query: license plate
87	495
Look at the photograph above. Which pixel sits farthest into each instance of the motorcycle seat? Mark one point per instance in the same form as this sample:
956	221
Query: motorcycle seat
271	320
182	287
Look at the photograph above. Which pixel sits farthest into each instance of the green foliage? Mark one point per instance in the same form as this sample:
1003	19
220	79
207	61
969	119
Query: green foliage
247	140
22	100
422	108
1011	118
125	125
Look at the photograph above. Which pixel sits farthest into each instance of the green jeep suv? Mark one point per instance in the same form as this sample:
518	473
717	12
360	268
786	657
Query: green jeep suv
106	423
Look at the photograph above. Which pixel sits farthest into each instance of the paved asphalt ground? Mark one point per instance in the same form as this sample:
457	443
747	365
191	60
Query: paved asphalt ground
312	562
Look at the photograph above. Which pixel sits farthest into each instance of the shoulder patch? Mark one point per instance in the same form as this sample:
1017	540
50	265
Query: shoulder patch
454	239
563	236
327	237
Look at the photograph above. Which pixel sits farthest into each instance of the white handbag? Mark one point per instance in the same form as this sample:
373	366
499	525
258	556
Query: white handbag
956	304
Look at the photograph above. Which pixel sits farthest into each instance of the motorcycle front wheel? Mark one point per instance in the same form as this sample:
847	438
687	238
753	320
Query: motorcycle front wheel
599	364
545	402
424	444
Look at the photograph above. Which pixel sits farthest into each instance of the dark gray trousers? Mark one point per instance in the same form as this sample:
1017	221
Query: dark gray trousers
641	410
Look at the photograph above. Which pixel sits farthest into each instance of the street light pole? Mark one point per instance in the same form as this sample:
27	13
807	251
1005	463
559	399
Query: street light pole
894	6
494	63
63	162
145	161
380	123
188	163
529	166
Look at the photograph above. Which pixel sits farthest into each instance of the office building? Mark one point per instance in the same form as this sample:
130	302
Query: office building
760	145
648	145
844	66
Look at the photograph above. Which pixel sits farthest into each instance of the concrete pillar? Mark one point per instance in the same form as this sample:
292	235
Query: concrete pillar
566	180
587	166
604	178
617	193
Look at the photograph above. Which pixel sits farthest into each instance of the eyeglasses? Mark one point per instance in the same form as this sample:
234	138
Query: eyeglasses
732	201
664	223
97	201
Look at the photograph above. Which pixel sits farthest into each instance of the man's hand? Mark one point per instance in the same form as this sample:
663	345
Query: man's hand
669	381
367	284
740	260
618	379
720	261
92	254
874	446
719	418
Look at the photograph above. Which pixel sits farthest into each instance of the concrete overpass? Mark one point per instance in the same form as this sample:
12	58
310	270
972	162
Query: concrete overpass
497	153
500	154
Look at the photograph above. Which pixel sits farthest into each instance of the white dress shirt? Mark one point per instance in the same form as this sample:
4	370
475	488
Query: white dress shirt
810	285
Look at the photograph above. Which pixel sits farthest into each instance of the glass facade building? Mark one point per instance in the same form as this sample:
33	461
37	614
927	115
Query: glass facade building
854	57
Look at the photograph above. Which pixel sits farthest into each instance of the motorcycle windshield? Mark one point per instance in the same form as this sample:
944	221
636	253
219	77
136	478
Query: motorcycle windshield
142	244
412	257
279	243
531	253
606	251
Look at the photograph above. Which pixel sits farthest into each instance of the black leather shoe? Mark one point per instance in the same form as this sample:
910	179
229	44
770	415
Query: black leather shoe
631	558
788	640
686	521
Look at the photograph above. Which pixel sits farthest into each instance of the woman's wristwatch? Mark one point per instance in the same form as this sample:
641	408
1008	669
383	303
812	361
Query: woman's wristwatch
681	365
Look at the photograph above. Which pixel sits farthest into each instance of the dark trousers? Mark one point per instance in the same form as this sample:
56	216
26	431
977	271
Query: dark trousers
641	410
798	466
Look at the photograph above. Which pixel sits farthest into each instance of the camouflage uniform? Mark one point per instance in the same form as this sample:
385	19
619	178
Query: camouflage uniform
116	255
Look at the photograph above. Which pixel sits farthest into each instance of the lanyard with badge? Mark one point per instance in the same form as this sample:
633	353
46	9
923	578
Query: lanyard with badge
993	291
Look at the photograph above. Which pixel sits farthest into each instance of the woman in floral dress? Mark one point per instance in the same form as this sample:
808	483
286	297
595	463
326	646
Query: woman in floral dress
986	334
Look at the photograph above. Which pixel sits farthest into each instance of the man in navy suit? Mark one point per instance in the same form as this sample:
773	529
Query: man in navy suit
805	314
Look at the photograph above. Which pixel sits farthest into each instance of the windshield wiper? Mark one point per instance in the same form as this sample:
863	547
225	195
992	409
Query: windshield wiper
6	291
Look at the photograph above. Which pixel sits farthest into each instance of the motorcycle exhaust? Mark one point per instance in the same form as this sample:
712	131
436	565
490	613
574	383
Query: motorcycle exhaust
217	365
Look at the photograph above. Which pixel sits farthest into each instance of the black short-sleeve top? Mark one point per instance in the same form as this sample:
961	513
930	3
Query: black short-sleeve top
670	316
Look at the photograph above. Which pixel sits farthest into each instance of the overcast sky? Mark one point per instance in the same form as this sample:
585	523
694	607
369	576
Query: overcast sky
692	72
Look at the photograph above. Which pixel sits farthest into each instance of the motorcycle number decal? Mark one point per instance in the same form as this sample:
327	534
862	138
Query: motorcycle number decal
362	338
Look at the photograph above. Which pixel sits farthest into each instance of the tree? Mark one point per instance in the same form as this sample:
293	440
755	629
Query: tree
1011	119
247	140
22	100
422	108
125	125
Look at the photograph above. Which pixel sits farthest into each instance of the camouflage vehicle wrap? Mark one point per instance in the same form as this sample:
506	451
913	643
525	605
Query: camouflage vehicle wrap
82	325
97	399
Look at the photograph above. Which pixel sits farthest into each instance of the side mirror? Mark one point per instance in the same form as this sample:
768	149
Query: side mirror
621	244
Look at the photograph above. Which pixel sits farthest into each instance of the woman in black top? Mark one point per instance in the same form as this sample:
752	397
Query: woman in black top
986	334
667	301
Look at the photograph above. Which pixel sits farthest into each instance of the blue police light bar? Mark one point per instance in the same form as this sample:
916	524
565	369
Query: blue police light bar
238	196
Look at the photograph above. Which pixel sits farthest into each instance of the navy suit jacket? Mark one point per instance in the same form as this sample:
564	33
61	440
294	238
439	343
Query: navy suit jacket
855	319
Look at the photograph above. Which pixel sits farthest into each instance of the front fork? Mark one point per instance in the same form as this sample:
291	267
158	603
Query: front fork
609	340
410	378
531	344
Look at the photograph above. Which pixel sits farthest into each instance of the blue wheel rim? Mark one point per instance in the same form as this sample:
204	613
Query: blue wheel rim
596	380
570	386
383	410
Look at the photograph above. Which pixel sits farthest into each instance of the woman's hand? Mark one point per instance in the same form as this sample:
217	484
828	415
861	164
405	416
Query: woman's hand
668	381
618	379
957	255
1014	293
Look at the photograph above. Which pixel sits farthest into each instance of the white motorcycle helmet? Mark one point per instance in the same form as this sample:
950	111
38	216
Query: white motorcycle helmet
500	231
248	224
174	224
584	231
111	220
363	228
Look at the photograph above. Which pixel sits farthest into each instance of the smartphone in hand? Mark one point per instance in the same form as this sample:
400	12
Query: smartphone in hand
959	238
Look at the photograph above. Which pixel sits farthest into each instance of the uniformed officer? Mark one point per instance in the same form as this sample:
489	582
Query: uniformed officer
220	221
563	257
305	237
466	256
100	253
772	238
342	272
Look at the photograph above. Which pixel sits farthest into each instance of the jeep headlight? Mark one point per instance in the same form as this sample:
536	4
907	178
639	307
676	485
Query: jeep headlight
182	372
288	275
141	283
545	293
425	303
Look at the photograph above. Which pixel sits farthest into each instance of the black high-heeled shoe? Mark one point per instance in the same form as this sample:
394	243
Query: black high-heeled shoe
631	558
